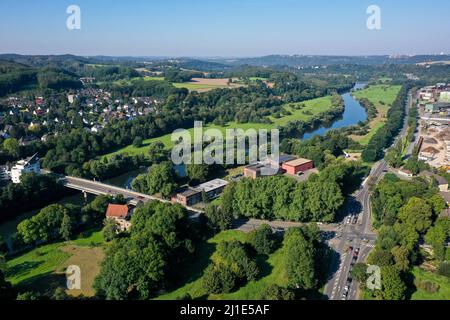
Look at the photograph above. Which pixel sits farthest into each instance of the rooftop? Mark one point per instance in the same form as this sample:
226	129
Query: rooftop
211	185
297	162
282	158
117	211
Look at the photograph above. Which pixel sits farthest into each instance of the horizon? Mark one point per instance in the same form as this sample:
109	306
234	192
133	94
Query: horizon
222	29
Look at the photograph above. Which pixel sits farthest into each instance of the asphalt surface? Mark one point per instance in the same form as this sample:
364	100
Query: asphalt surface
353	241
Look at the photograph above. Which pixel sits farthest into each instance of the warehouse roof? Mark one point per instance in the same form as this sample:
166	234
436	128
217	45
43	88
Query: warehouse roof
297	162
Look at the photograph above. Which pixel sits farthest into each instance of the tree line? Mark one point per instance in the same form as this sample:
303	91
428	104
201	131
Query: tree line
404	212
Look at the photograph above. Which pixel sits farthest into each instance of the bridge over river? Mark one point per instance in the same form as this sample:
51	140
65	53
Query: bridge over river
99	188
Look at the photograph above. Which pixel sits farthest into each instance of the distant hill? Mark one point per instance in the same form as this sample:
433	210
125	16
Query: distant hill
308	61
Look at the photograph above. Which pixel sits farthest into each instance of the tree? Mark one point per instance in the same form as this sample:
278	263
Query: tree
197	173
6	290
262	239
437	236
392	285
12	147
44	226
416	213
380	257
110	230
137	142
299	260
156	152
160	179
275	292
394	156
401	257
28	296
359	273
66	227
217	219
218	279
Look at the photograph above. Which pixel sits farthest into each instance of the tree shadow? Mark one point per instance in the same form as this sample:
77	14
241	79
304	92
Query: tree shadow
351	207
23	269
45	284
192	268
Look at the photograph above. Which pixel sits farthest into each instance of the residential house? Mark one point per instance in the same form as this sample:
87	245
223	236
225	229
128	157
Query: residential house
120	214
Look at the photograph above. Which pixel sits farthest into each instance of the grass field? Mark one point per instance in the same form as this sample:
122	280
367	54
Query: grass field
382	96
43	268
444	286
314	106
272	272
166	139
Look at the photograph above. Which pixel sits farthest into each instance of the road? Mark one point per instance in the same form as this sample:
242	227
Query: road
98	188
353	242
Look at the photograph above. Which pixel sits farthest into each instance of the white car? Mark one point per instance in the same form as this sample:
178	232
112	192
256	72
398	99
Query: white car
349	219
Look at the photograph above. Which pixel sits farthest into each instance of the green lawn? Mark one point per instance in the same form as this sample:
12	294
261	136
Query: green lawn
166	139
444	286
382	96
315	106
272	272
37	263
366	138
41	269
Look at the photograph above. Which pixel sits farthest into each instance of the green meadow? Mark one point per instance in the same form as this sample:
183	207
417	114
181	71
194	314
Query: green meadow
382	96
312	108
272	272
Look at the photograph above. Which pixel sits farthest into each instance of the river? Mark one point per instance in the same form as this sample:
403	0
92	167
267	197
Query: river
124	180
354	112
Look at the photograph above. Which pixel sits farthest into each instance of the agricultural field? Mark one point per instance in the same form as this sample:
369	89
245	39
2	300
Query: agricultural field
203	85
382	96
272	272
314	106
43	269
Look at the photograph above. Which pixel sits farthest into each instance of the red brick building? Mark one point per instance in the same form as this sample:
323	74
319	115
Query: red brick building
298	165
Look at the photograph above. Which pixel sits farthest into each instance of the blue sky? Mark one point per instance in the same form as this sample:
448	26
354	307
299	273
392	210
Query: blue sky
224	27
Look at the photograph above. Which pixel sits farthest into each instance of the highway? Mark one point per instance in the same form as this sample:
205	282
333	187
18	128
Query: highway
354	241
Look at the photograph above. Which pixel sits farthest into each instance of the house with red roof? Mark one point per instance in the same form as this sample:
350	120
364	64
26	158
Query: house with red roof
121	214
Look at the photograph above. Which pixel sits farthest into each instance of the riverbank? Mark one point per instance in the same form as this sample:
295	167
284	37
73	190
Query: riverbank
381	97
311	113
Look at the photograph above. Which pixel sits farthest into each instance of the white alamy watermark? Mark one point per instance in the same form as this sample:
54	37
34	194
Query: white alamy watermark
374	19
73	277
374	279
211	147
73	22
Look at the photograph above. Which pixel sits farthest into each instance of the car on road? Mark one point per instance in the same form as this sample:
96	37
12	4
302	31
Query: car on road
350	248
348	220
346	288
355	219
